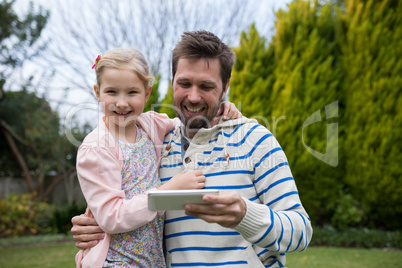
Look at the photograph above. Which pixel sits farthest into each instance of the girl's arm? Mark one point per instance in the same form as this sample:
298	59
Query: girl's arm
99	174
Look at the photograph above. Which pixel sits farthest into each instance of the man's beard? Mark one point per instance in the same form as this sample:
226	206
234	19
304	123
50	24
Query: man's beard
196	122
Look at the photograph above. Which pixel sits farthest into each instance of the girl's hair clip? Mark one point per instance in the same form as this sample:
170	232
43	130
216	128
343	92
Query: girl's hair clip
96	60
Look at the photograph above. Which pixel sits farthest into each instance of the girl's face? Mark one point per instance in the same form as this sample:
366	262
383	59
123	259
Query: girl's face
123	96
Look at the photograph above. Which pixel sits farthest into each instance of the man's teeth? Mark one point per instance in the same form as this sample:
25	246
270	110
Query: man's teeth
194	110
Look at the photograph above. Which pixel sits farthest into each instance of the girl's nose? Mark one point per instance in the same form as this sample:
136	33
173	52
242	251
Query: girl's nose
121	102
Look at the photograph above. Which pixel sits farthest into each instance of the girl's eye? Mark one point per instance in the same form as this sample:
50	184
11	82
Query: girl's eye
111	91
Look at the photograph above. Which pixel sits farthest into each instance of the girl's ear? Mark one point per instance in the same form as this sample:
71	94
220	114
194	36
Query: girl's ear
148	93
97	92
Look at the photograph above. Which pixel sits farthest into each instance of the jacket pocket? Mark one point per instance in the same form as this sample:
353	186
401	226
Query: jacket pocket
252	258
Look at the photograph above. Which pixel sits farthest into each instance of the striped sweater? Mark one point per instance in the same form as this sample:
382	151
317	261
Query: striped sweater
244	156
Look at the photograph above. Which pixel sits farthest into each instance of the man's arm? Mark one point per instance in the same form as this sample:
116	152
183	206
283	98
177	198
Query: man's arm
86	232
278	221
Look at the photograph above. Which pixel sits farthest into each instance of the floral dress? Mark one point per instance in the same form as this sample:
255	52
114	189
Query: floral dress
141	247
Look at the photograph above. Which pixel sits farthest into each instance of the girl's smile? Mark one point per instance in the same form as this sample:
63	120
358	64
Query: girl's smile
122	113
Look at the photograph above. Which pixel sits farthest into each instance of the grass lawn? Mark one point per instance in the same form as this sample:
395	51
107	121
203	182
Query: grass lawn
62	255
46	256
344	258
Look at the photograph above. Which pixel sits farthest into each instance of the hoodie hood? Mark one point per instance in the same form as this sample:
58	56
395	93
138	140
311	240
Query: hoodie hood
221	134
222	125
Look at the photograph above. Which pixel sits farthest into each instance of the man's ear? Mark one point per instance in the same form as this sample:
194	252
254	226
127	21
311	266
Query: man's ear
225	90
97	92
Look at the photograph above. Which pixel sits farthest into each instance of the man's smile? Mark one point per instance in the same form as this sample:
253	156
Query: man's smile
194	110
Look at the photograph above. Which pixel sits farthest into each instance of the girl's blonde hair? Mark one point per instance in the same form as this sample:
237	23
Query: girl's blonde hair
124	58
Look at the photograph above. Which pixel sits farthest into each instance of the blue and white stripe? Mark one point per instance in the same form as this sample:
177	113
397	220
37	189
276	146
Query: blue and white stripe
257	168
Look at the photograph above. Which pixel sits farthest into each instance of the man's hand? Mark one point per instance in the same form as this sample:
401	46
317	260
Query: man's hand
86	231
226	209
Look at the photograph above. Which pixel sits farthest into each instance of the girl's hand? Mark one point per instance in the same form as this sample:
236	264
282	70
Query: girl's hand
228	111
189	180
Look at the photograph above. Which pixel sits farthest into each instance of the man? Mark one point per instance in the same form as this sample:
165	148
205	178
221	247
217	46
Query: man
258	216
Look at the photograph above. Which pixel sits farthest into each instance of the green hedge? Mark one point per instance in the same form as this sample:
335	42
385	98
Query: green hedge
356	237
61	219
329	87
25	214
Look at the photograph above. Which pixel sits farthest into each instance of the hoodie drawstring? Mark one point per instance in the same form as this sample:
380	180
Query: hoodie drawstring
169	145
227	156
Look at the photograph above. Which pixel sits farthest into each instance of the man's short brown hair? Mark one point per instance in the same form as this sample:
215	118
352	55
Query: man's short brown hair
204	44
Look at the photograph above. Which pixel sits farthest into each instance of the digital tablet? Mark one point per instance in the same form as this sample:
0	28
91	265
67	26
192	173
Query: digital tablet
175	199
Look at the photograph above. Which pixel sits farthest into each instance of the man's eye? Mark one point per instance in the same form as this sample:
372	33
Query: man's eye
184	84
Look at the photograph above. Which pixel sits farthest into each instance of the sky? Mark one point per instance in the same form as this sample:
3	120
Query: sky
81	103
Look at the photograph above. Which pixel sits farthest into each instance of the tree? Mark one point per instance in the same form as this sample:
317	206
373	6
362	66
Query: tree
253	75
286	82
153	27
372	50
19	38
29	129
32	131
166	105
333	76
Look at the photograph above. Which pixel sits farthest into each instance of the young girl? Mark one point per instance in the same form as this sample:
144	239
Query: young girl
117	164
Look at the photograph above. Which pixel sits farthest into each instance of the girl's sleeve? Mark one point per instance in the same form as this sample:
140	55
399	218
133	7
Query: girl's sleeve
157	126
99	175
161	123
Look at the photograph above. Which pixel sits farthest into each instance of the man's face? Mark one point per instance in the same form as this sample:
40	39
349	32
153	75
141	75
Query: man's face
197	92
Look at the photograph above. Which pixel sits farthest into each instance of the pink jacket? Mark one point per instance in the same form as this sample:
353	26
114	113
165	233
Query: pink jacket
99	164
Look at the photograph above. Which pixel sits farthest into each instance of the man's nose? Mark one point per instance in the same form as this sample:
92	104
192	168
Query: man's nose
193	95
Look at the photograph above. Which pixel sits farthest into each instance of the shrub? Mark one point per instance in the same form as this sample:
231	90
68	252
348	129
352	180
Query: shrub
348	212
24	215
356	237
63	214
